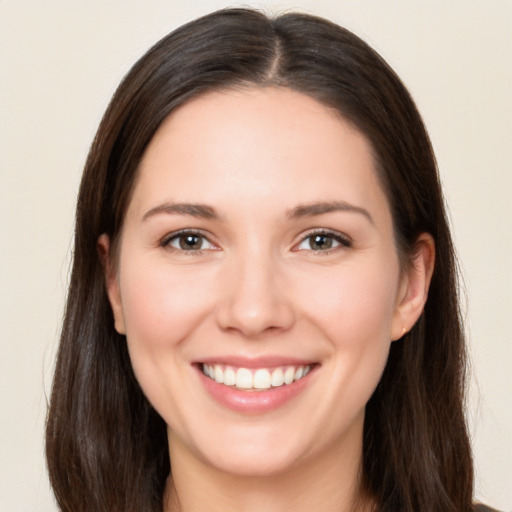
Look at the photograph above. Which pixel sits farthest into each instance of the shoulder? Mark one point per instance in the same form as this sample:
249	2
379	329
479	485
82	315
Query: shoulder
483	508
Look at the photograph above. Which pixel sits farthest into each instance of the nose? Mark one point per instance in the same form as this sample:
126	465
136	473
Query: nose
256	299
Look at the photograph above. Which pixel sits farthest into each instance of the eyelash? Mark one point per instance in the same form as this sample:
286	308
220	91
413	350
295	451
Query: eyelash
166	241
341	239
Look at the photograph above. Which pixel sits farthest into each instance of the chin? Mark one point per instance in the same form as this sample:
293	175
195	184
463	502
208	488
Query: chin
247	450
259	463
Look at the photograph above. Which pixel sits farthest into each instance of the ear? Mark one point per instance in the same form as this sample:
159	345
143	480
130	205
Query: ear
111	282
414	285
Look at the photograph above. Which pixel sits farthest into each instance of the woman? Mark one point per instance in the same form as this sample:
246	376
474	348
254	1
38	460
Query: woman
263	306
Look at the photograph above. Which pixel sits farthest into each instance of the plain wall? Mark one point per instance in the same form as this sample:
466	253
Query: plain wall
60	63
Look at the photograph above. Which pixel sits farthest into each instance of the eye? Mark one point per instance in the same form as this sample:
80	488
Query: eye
323	241
189	241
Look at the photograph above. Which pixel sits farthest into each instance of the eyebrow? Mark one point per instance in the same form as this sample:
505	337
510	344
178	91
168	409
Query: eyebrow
194	210
310	210
302	210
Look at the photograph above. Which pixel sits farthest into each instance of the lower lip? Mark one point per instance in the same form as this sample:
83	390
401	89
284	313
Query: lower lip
254	402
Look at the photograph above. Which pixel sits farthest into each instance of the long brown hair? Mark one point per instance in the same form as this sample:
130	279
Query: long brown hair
106	446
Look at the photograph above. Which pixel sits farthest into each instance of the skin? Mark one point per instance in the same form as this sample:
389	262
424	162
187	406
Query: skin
257	287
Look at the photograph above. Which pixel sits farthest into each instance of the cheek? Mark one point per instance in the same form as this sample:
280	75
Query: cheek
161	306
354	306
354	313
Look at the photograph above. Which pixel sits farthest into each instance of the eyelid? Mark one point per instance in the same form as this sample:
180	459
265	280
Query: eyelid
165	241
342	239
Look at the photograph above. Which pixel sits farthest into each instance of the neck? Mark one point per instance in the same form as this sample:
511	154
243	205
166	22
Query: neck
329	483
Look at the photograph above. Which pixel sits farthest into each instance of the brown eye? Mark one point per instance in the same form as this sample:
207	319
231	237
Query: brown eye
323	241
188	241
320	242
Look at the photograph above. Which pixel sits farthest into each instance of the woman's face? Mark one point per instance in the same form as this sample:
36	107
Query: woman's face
258	249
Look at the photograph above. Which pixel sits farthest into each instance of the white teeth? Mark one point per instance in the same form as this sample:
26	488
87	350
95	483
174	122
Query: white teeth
299	373
262	378
218	374
289	374
277	378
244	378
229	376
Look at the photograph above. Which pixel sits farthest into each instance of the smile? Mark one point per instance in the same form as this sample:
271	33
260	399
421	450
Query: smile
256	379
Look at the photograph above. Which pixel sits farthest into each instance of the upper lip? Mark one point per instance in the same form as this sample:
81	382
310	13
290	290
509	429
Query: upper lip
255	362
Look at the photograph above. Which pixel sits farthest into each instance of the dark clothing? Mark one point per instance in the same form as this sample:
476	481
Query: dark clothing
482	508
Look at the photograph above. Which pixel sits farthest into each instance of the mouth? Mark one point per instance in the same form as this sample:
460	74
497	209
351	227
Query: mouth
256	386
255	379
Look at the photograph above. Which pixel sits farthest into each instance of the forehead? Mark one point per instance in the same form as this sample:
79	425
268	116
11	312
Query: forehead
250	145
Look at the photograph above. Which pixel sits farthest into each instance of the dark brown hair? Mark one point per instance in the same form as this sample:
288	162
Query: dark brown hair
106	446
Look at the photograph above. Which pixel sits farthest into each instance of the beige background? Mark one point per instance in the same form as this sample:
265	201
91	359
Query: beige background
59	64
